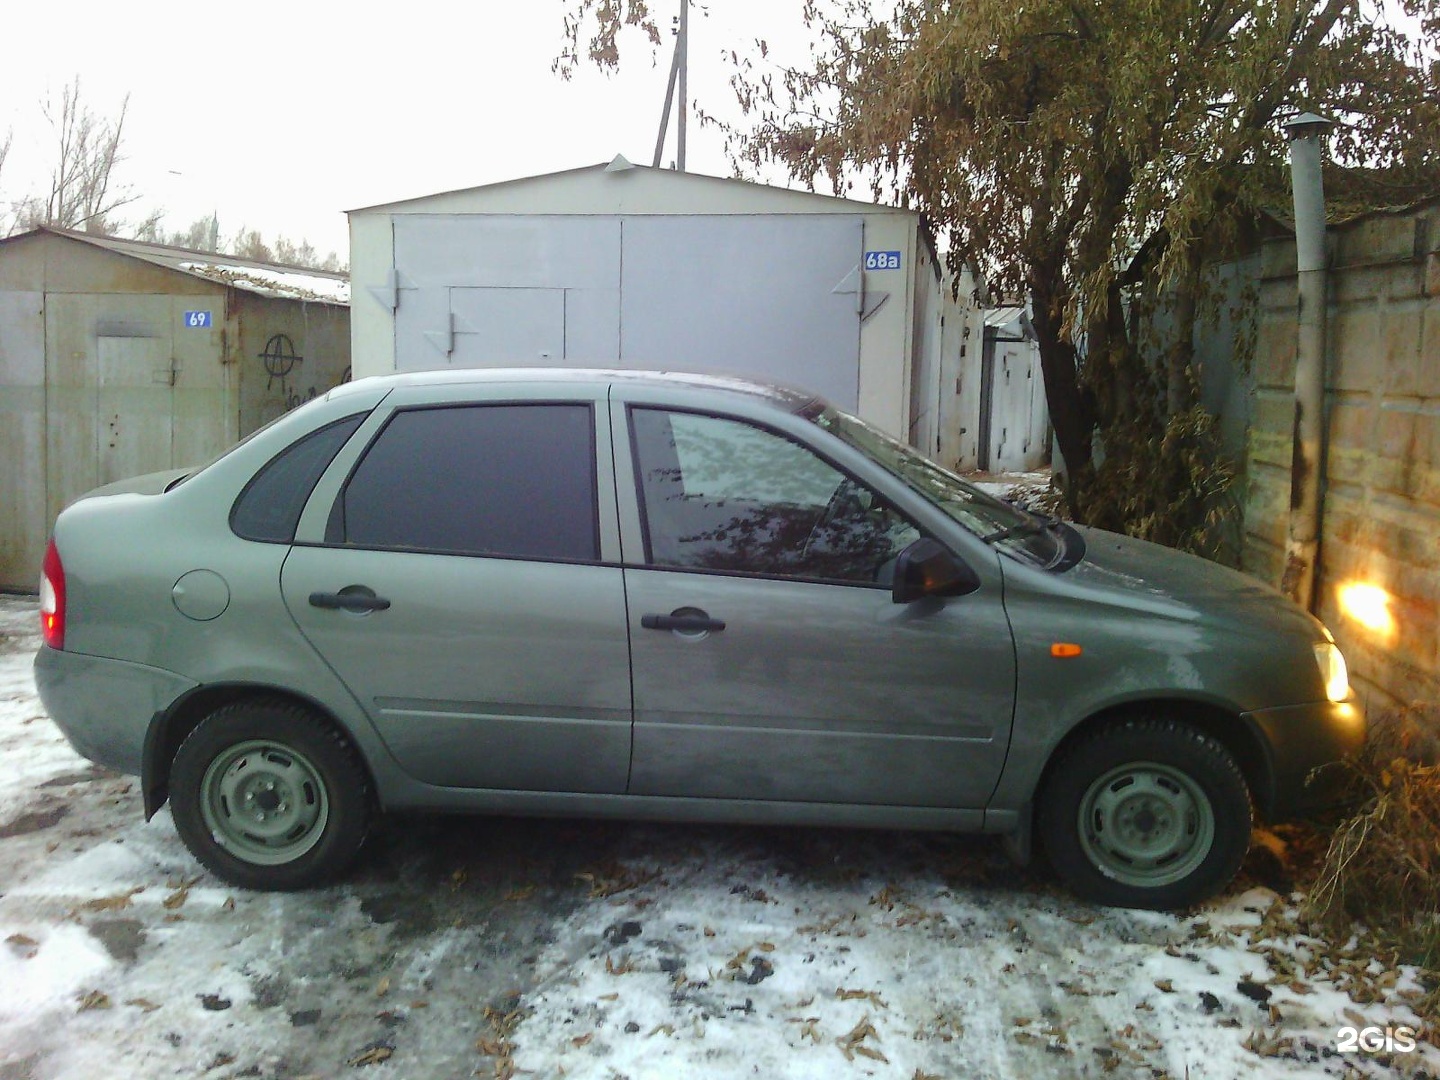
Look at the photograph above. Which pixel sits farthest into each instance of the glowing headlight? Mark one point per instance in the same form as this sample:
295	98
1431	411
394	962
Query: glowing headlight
1332	671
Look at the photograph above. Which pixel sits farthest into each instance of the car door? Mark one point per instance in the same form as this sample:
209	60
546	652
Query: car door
769	659
461	577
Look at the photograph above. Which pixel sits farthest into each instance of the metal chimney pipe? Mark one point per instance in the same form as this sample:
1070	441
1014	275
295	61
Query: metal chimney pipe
1303	542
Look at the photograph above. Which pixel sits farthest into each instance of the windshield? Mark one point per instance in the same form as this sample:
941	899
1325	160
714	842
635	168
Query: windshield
1008	527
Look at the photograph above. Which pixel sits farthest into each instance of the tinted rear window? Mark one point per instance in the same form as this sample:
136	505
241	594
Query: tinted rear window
511	480
270	506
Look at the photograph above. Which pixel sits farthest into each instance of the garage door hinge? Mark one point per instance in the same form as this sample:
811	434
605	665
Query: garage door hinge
388	294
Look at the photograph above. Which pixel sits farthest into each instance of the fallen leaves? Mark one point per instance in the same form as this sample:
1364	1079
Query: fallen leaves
117	902
853	1042
1269	1044
176	899
498	1044
372	1056
93	999
613	878
808	1027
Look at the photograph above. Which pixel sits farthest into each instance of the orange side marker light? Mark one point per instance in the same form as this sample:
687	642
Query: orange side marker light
1063	650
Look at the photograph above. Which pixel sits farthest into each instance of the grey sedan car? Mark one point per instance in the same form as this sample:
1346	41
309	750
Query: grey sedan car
671	597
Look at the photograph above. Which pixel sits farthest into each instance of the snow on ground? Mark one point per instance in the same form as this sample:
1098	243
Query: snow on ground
497	947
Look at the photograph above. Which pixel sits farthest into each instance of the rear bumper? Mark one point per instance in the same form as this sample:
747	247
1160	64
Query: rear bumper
1306	742
105	707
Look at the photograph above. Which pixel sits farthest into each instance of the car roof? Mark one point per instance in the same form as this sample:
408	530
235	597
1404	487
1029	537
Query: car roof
787	398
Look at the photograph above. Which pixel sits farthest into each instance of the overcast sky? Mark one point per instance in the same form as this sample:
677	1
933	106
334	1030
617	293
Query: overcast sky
282	115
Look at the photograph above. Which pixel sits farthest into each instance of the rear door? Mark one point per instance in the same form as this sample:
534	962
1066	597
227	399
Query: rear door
460	574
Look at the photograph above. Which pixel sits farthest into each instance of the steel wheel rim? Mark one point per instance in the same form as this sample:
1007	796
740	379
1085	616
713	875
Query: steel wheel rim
264	802
1146	824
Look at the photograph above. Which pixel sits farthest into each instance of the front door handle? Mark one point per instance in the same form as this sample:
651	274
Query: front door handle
686	622
346	600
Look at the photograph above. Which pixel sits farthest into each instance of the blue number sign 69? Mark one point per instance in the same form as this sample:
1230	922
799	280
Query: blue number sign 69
197	320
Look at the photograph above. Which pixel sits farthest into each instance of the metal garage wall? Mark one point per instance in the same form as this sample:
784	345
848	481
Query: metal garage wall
22	437
506	291
763	296
749	295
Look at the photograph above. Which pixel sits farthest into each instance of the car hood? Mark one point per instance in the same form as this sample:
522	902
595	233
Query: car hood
1136	573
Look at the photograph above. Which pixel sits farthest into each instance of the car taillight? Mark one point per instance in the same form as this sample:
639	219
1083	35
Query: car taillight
52	599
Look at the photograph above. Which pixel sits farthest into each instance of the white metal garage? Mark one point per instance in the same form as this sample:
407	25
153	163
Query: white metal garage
624	265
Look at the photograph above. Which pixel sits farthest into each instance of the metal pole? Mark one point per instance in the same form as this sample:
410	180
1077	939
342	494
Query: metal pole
665	116
1303	542
682	52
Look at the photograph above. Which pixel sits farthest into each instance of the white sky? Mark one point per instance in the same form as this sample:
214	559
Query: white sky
280	116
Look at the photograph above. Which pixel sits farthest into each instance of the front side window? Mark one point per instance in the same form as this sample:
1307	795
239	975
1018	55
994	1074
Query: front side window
1019	532
500	480
725	495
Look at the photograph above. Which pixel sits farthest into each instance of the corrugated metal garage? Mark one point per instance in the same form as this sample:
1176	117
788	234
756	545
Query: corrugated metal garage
621	265
119	358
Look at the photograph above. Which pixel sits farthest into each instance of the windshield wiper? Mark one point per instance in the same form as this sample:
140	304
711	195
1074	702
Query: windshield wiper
1041	523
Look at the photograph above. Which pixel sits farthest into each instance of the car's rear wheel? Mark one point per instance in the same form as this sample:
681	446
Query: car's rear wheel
268	795
1145	813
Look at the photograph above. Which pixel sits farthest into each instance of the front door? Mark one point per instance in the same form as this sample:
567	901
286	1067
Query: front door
769	660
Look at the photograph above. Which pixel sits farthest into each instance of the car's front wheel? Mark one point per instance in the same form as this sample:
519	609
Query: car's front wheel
1145	813
267	795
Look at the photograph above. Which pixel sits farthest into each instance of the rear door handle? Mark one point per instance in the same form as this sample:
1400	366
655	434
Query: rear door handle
349	601
686	624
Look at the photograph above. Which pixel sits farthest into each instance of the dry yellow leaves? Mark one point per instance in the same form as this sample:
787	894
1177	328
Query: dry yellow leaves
93	999
373	1056
871	996
851	1043
118	902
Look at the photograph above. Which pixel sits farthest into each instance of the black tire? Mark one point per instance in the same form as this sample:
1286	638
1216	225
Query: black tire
268	795
1145	813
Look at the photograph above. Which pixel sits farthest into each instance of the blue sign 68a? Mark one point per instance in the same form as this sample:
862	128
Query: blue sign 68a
198	320
882	260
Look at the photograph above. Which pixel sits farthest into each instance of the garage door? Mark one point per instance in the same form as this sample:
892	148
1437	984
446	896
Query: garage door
747	295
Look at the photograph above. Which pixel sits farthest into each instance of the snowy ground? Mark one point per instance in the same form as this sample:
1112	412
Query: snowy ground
511	948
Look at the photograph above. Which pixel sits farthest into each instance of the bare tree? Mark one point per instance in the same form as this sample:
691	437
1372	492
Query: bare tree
83	193
4	152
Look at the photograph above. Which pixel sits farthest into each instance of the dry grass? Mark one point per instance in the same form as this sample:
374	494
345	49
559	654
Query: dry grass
1382	868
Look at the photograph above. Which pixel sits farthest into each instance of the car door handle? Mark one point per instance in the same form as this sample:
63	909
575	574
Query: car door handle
686	624
349	601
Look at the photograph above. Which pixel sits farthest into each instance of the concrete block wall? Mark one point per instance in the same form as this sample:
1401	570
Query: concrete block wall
1381	524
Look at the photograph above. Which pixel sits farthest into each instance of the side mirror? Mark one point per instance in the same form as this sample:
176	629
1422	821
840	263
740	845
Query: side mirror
925	568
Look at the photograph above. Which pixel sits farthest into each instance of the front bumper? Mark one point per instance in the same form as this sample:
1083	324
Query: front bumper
105	707
1305	744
